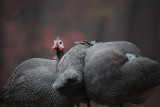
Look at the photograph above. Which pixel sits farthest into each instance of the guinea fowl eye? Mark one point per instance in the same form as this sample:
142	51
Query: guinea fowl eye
60	42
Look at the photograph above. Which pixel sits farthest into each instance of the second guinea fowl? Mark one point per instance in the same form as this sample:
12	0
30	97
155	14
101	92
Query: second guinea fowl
116	74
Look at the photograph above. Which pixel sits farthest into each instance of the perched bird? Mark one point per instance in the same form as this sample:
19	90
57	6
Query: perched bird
116	73
30	85
113	73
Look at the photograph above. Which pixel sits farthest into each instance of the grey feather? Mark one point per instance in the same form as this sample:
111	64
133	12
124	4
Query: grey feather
112	78
69	80
102	64
30	85
122	46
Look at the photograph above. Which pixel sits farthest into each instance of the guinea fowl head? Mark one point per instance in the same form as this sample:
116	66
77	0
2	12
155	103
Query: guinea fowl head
58	47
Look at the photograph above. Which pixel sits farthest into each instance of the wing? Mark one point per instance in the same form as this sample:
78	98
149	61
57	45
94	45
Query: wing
70	71
69	83
101	68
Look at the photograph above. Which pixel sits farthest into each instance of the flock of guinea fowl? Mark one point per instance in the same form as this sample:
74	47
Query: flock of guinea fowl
107	73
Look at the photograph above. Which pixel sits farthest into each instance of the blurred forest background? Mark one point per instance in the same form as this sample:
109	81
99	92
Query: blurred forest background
28	28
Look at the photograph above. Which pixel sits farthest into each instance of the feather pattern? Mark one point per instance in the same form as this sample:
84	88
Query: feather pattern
70	71
30	86
111	77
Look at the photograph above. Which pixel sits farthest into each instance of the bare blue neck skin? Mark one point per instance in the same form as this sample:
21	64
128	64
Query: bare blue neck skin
130	56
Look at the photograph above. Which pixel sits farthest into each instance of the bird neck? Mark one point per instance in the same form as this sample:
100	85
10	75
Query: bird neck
59	53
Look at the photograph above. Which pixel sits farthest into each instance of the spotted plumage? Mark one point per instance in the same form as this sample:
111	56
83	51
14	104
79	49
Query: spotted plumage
116	73
69	80
30	85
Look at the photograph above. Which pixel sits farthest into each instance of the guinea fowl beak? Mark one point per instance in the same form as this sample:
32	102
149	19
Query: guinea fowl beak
55	45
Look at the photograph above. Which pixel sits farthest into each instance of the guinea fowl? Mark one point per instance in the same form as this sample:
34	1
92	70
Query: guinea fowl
116	73
30	84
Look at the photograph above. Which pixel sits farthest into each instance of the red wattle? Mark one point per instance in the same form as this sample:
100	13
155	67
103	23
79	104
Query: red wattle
61	48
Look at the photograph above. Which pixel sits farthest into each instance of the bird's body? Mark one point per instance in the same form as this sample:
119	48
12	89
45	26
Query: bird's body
111	78
30	85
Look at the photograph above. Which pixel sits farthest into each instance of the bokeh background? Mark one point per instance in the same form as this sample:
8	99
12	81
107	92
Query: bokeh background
28	28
